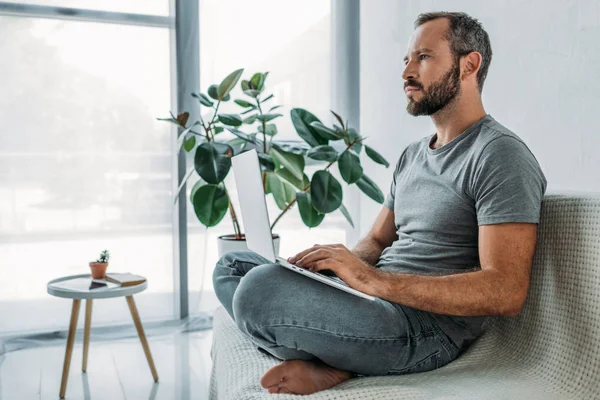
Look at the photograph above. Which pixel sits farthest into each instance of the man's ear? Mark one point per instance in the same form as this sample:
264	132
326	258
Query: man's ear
471	64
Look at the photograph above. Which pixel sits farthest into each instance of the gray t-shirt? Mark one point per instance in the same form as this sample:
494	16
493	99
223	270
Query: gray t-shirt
486	175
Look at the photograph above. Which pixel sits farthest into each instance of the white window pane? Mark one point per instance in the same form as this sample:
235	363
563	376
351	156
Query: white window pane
150	7
84	165
290	40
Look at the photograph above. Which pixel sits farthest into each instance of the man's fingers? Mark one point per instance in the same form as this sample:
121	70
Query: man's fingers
316	255
325	263
304	253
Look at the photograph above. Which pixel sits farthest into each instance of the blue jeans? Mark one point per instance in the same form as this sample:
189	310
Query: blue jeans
296	318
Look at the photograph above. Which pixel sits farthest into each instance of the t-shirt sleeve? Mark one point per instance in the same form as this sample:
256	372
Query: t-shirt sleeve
508	183
389	199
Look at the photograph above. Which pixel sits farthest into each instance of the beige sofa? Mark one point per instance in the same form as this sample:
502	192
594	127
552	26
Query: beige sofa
550	351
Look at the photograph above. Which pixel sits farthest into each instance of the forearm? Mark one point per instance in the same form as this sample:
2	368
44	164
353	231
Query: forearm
483	292
369	250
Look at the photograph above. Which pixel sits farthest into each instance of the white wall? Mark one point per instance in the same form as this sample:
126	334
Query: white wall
543	83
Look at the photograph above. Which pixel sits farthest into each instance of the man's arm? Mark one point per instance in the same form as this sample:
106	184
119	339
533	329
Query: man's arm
382	235
499	288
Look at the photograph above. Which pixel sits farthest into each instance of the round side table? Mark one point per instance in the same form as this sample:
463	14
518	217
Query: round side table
70	287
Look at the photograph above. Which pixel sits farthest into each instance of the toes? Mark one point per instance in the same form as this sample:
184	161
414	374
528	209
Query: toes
272	377
273	389
284	390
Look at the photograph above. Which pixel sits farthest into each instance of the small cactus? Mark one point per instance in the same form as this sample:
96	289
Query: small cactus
104	256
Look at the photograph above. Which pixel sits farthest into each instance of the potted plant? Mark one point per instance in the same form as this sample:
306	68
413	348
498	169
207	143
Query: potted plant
99	266
282	164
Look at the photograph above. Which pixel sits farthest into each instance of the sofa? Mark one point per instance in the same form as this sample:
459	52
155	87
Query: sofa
551	350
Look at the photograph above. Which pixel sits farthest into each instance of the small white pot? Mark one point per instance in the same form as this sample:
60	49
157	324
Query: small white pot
228	243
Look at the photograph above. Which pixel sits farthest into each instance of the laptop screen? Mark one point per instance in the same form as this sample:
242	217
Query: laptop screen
251	196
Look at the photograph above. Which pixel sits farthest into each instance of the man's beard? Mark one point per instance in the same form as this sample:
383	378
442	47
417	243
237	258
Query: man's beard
438	95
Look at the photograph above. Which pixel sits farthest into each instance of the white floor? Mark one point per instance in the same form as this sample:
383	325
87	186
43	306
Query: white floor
116	370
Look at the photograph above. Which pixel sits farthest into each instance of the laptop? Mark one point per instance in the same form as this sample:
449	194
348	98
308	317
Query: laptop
253	205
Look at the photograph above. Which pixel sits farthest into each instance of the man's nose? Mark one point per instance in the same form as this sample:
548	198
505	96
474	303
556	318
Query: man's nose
410	72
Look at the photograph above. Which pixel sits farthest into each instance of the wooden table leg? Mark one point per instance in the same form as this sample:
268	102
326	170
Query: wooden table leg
86	333
69	350
142	335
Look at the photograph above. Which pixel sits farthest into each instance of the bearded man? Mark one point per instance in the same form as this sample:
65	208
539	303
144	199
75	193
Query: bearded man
453	243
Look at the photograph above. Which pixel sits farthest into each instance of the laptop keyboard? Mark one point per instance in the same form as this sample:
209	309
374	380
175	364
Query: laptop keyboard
333	278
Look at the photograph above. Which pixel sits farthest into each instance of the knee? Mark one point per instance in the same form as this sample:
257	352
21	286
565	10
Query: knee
229	258
256	294
226	264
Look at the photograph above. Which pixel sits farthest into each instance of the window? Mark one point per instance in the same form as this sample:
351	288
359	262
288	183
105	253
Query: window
290	40
151	7
84	165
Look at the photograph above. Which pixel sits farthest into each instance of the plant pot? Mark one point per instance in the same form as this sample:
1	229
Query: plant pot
228	243
98	270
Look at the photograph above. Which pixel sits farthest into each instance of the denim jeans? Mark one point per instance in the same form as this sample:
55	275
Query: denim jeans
293	317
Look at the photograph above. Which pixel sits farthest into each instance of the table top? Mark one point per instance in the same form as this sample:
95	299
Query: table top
78	287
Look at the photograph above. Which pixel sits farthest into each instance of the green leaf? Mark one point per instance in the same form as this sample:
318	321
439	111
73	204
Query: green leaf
375	156
346	214
266	161
212	92
267	117
245	85
283	192
350	168
203	99
182	138
311	217
199	183
269	97
271	129
238	145
370	188
230	119
325	132
213	161
323	153
302	120
252	93
210	204
189	144
340	120
171	120
183	182
218	129
229	83
326	192
292	162
352	136
274	108
290	148
244	103
242	135
289	177
250	119
258	81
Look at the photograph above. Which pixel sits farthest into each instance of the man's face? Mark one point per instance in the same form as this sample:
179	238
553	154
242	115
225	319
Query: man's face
432	74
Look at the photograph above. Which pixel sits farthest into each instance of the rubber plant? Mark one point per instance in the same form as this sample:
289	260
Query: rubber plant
283	165
212	156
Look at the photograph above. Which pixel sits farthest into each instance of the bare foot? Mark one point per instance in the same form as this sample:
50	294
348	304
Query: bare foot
302	377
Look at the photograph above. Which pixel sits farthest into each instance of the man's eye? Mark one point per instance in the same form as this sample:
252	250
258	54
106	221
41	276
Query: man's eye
423	57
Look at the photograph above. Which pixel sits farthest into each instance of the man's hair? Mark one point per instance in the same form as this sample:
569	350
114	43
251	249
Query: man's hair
466	34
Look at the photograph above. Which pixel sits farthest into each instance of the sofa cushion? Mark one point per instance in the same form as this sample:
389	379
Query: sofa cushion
551	350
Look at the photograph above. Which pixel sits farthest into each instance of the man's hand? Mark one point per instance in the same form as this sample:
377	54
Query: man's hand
336	257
